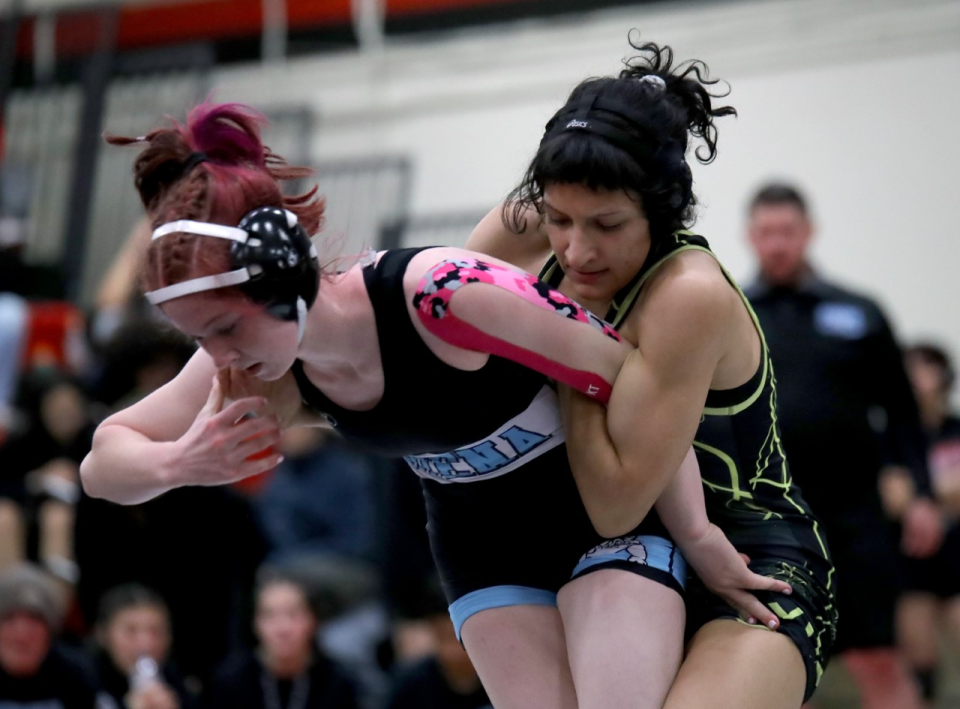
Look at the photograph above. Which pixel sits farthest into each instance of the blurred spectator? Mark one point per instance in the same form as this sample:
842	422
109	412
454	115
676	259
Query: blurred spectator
287	670
933	601
141	356
39	483
356	628
406	561
34	670
318	511
846	410
133	638
204	571
445	679
197	547
319	500
119	300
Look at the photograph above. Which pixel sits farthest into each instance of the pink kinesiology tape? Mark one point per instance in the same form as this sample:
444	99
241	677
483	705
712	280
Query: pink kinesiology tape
433	299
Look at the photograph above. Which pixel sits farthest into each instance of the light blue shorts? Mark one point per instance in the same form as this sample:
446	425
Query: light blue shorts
646	555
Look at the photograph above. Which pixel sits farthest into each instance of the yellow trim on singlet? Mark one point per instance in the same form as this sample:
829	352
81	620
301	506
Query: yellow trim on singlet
546	275
623	308
786	480
824	626
736	492
782	614
764	352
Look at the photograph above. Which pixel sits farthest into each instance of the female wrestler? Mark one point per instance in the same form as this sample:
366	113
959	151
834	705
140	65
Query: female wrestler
409	356
608	195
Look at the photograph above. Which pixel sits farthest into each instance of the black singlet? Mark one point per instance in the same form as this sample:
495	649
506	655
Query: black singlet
427	405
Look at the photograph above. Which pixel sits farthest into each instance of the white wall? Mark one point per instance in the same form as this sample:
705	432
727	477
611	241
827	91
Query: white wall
856	100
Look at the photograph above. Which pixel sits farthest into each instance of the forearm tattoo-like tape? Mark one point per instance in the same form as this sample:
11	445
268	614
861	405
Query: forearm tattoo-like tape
436	290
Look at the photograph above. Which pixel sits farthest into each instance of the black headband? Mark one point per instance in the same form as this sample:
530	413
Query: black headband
166	174
628	129
593	114
193	159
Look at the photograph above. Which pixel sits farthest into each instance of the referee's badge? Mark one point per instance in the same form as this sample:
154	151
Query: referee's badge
843	320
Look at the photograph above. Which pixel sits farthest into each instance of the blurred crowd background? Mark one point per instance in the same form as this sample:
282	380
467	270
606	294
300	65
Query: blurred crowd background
418	117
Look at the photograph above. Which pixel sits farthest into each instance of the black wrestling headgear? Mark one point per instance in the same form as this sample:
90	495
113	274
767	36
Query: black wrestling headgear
274	262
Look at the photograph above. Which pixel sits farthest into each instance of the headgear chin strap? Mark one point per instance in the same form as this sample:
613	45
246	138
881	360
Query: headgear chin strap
275	263
623	126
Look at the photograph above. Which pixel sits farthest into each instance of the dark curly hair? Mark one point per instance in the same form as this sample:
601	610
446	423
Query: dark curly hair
664	116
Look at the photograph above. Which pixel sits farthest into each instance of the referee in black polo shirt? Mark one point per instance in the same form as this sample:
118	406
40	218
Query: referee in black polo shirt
849	421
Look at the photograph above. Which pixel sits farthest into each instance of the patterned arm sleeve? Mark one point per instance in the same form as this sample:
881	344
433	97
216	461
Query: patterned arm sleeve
532	326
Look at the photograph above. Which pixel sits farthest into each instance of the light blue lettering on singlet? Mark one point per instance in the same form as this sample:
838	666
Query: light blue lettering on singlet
534	431
443	465
479	460
484	457
521	440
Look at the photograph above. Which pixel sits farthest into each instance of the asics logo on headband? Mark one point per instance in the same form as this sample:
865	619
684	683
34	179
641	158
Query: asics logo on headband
578	124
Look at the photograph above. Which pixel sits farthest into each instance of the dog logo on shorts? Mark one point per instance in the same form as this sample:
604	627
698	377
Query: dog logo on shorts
625	548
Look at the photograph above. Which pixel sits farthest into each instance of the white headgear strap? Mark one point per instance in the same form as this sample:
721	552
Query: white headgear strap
301	318
204	283
188	226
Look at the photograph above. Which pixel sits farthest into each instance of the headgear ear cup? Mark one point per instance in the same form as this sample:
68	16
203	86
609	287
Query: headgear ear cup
281	259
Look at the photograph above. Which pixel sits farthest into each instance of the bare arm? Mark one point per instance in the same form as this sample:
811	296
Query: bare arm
500	311
681	505
481	305
585	420
527	250
721	568
623	457
179	435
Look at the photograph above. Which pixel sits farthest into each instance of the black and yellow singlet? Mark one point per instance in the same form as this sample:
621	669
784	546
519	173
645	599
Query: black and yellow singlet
750	493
